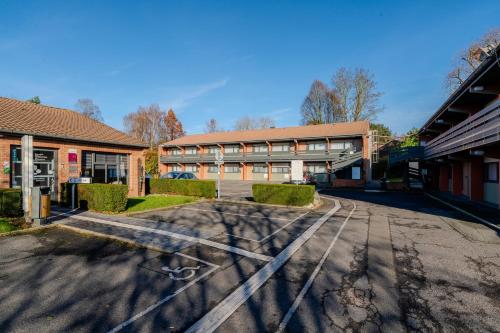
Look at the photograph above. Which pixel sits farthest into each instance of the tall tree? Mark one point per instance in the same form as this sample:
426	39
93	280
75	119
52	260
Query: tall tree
211	126
353	97
88	108
34	100
384	133
470	58
248	123
173	127
411	138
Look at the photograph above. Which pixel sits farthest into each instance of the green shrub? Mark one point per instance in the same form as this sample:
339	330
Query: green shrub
197	188
98	197
10	202
283	194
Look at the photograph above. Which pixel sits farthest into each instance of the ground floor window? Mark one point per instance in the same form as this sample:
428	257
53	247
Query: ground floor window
280	168
491	172
191	168
259	168
231	168
105	168
175	167
315	168
213	169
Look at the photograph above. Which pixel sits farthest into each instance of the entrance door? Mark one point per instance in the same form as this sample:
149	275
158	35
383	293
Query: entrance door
44	169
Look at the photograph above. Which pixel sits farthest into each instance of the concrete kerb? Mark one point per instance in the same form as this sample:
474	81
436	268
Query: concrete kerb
162	208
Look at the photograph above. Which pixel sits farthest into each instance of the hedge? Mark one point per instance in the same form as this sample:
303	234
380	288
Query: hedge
10	202
283	194
197	188
98	197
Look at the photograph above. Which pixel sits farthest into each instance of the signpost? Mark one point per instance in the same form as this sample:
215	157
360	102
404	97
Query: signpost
219	160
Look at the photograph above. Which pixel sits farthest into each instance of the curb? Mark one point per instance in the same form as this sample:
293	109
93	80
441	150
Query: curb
481	220
27	230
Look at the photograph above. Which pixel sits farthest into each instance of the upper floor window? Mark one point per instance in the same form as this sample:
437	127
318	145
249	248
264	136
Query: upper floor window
280	147
191	151
316	146
213	149
233	149
340	145
260	148
175	151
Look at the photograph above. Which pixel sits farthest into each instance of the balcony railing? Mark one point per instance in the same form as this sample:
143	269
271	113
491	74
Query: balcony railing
478	130
306	155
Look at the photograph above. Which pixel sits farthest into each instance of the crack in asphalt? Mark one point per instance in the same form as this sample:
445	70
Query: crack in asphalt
355	295
488	273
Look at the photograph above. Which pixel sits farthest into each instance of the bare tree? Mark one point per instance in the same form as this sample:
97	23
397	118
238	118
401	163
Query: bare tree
353	97
317	105
88	108
247	123
212	127
470	58
152	125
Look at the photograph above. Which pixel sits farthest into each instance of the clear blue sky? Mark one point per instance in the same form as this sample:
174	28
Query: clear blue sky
227	59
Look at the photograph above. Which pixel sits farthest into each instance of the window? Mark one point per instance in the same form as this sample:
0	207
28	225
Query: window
190	151
175	167
105	168
213	169
260	168
491	172
341	145
316	168
235	149
191	168
280	168
175	151
260	148
316	146
213	149
280	147
232	168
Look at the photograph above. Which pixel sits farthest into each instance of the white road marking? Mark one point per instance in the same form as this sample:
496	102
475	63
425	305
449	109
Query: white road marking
310	281
215	317
488	223
169	297
203	241
270	235
237	214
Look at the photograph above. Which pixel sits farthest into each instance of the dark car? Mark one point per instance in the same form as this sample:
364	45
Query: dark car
179	175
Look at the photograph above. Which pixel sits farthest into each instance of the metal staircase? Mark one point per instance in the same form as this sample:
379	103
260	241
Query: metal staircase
346	159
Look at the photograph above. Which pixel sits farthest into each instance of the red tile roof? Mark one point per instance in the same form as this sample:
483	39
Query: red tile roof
20	117
356	128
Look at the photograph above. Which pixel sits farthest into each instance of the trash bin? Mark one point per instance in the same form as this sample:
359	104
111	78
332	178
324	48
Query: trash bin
40	204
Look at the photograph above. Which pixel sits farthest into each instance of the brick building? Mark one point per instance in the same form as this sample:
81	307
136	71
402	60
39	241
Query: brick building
461	141
266	155
66	145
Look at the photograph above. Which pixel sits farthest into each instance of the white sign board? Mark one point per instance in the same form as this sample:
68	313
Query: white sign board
297	170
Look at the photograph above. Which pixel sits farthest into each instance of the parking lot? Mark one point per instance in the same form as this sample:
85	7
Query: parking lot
362	261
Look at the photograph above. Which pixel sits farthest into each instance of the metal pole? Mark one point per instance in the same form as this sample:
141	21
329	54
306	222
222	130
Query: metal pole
218	180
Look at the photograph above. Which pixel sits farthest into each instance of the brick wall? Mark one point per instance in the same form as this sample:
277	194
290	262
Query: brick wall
136	158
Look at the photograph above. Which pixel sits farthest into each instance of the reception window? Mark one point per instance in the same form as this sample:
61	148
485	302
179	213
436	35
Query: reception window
105	168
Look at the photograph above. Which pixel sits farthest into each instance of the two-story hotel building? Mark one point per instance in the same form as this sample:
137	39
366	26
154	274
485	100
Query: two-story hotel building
266	154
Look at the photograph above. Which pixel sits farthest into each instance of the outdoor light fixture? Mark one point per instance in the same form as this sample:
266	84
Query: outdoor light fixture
477	88
477	152
440	160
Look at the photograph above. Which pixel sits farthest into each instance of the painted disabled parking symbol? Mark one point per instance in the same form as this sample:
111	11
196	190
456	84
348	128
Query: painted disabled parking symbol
181	273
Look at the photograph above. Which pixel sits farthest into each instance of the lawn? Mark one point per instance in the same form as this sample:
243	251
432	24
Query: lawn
5	225
156	201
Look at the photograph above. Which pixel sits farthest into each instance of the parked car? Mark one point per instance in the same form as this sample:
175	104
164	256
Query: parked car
178	175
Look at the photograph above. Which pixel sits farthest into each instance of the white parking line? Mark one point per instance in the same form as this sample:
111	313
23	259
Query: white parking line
310	281
169	297
237	214
203	241
215	317
270	235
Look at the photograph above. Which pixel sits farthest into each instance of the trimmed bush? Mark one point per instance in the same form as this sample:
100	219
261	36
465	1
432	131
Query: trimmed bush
10	202
196	188
98	197
283	194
